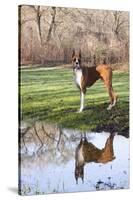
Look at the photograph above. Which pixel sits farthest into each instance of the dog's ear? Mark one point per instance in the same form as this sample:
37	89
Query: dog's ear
80	53
73	53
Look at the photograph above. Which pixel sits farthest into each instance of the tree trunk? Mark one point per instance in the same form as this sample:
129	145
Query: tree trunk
52	23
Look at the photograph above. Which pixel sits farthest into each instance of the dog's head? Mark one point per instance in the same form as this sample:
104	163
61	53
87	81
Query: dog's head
76	60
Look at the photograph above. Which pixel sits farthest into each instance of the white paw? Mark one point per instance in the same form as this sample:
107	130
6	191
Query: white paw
109	107
114	103
80	110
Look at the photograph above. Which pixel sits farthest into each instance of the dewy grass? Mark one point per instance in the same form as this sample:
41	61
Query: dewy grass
51	95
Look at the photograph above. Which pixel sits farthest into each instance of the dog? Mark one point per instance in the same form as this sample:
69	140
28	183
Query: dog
86	152
87	76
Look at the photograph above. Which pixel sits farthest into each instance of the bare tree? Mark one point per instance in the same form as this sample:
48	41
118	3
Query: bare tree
119	22
48	34
52	23
37	10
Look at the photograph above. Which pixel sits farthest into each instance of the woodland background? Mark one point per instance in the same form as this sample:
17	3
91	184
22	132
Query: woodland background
49	34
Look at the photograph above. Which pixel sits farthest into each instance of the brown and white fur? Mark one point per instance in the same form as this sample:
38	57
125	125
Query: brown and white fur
87	152
87	76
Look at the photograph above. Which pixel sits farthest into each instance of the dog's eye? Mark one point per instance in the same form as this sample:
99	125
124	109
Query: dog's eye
74	59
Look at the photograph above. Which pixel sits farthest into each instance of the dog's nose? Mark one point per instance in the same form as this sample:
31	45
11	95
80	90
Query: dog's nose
77	63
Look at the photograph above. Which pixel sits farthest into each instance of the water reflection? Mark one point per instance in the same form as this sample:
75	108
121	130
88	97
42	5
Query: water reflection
86	152
50	160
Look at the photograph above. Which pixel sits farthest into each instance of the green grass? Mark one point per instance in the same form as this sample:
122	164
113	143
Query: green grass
51	95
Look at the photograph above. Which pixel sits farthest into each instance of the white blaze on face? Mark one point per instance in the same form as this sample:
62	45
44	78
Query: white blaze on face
77	62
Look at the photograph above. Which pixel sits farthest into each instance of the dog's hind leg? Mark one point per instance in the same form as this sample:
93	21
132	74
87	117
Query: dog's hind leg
109	88
114	98
112	95
107	79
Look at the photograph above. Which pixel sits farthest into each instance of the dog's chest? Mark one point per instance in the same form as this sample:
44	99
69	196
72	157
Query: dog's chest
78	76
80	158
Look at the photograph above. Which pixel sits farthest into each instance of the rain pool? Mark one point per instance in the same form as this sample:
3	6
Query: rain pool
48	163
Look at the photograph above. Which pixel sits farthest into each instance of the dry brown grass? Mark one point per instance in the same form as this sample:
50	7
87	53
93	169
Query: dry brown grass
120	67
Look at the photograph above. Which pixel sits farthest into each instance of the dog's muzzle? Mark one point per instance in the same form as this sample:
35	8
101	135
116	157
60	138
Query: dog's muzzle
77	67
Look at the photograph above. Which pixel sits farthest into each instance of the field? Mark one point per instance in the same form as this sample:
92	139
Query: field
49	94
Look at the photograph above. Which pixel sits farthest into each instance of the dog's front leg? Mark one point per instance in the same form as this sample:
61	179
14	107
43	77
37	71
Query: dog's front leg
81	101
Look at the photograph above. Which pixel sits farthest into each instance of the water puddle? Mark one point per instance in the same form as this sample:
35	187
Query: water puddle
60	160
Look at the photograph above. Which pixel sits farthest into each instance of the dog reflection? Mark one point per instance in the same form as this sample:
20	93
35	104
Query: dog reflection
86	152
